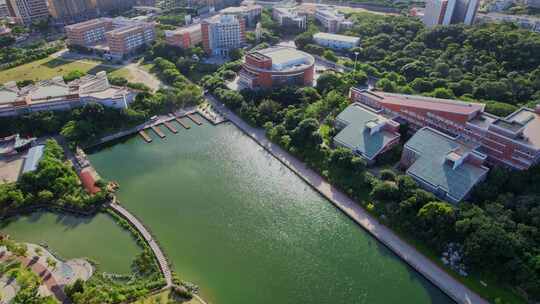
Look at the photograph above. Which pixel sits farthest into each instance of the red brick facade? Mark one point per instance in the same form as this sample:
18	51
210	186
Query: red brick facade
257	71
513	141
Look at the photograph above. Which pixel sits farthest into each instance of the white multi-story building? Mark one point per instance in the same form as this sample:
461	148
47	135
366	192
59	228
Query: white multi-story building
251	13
288	16
222	33
334	41
526	22
332	20
499	5
55	94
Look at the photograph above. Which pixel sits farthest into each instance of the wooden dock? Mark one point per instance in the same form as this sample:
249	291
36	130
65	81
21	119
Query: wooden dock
194	119
158	131
170	127
183	124
145	136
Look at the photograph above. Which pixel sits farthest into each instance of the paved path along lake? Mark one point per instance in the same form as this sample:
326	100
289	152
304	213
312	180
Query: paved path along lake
235	221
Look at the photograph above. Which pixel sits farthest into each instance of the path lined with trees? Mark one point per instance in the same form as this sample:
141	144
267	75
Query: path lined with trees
163	264
420	263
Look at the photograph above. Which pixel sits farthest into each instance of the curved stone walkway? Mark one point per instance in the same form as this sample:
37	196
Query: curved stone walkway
439	277
163	264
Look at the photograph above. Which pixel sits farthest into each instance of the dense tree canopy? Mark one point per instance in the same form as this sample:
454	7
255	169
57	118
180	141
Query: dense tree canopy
490	62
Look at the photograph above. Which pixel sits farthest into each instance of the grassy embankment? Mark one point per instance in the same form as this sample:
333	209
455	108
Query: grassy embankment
50	67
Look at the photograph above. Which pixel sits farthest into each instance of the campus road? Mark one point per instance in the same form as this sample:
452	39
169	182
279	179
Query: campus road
453	288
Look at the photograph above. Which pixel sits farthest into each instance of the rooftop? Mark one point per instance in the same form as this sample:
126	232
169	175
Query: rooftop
240	9
285	58
429	103
526	121
433	149
336	37
186	29
357	136
91	22
44	91
32	158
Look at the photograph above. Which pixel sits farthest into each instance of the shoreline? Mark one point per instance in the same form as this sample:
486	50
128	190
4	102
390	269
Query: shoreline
408	254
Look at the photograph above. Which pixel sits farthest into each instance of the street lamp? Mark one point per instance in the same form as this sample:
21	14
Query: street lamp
355	59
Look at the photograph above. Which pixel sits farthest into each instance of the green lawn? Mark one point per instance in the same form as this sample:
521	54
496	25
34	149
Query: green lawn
49	67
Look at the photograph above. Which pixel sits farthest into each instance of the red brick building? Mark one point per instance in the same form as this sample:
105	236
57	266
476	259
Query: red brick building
277	66
185	37
512	141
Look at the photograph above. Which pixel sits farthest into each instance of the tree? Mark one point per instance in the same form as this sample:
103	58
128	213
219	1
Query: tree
499	108
328	81
388	175
236	54
443	93
306	135
422	85
329	55
303	39
385	191
75	74
436	222
268	111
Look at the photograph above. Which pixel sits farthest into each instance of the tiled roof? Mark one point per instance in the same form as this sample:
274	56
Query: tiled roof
88	182
356	136
431	166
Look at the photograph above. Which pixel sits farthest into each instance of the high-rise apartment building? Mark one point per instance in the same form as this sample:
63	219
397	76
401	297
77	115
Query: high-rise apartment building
445	12
4	10
223	33
70	11
27	11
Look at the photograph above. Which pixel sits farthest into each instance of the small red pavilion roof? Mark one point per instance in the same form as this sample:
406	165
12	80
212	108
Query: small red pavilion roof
89	183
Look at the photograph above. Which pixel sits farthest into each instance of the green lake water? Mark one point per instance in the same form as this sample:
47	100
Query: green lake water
98	238
235	221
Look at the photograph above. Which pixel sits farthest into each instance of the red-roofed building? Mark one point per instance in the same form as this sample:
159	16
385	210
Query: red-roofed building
512	141
88	182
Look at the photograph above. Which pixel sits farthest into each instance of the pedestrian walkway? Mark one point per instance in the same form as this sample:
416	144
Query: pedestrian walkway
453	288
163	264
41	270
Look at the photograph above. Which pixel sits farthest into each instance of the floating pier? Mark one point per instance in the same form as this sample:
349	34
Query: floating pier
145	136
194	119
170	127
183	124
158	131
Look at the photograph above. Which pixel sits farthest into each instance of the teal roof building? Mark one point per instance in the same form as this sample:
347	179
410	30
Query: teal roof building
365	132
447	166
